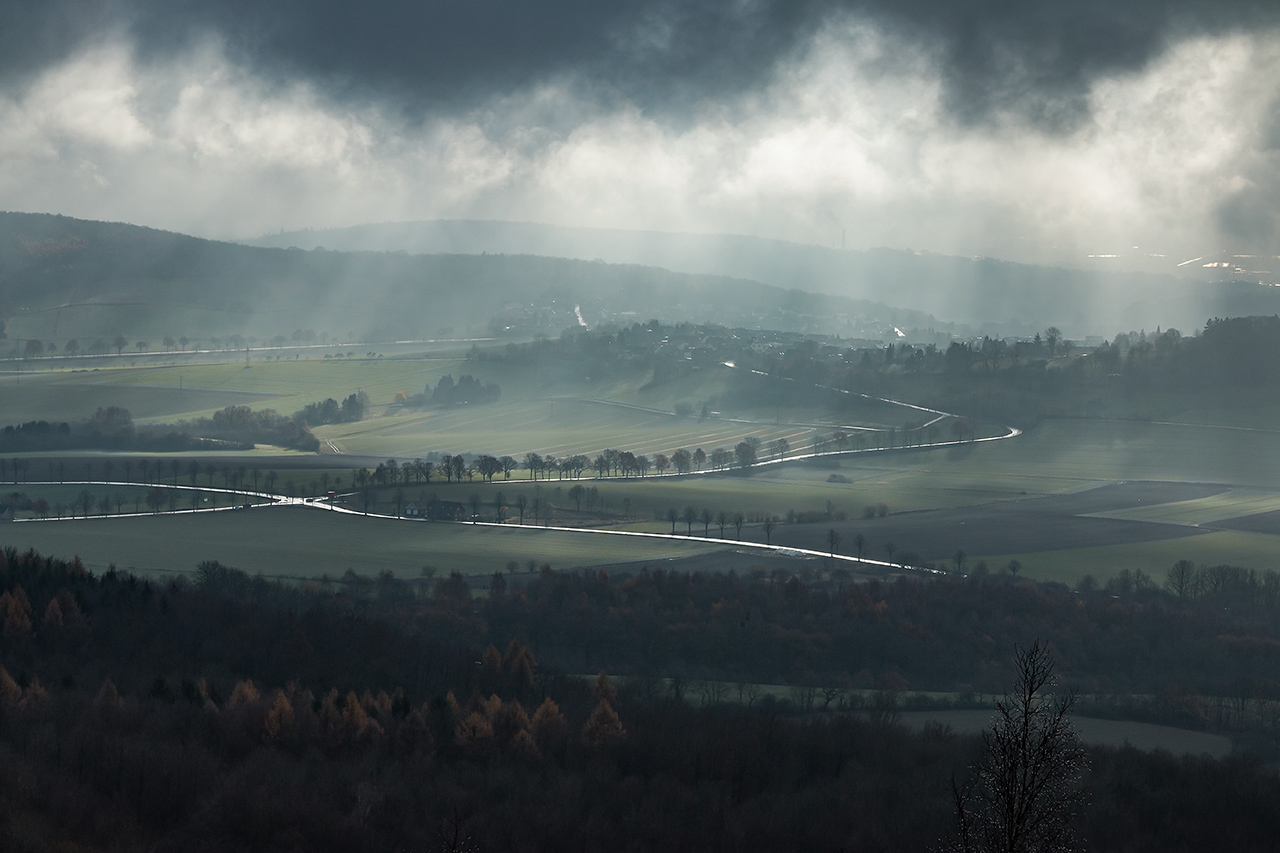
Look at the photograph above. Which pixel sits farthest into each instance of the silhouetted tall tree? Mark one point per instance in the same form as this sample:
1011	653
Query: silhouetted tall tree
1027	786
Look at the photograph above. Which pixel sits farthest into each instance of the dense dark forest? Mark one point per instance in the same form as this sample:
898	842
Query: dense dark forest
952	633
233	713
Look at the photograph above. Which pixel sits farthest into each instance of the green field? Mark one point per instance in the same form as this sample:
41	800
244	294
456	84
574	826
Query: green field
184	385
172	385
69	496
288	385
124	497
1231	504
801	486
303	542
767	490
559	427
1084	450
1226	411
1250	550
563	417
1058	456
145	392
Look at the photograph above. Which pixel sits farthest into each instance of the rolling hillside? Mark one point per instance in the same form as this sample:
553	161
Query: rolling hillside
988	295
62	277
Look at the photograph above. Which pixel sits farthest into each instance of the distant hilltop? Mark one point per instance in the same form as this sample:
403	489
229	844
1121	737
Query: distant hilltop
988	296
62	277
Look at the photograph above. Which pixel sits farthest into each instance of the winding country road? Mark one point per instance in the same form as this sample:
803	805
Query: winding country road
271	500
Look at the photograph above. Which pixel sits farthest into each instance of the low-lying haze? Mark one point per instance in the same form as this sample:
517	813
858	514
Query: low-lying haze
1036	132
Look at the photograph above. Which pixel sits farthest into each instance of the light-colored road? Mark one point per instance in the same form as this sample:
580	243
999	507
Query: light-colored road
270	500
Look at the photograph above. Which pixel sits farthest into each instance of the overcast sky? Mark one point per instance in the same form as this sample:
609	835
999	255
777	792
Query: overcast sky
1028	129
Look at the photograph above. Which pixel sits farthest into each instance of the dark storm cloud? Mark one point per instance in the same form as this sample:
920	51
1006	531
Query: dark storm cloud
1034	59
452	54
36	34
1037	131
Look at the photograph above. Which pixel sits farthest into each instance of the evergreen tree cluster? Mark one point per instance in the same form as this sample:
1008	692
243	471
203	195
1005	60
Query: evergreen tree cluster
467	389
330	411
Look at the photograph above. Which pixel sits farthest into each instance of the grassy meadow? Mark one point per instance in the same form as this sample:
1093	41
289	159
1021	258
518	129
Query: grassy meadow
304	542
190	388
68	495
561	427
772	490
1258	551
170	385
1086	450
147	392
1230	504
563	417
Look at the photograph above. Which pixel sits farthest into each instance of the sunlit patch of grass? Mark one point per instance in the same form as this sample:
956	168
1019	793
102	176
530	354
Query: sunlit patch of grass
1230	504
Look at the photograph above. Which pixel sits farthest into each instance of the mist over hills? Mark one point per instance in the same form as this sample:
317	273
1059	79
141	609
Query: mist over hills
987	295
62	277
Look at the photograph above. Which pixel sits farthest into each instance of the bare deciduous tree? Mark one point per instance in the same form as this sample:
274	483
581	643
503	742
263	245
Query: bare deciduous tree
1027	788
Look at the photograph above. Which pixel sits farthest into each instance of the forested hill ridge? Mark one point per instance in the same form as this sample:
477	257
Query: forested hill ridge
62	277
1231	363
996	297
